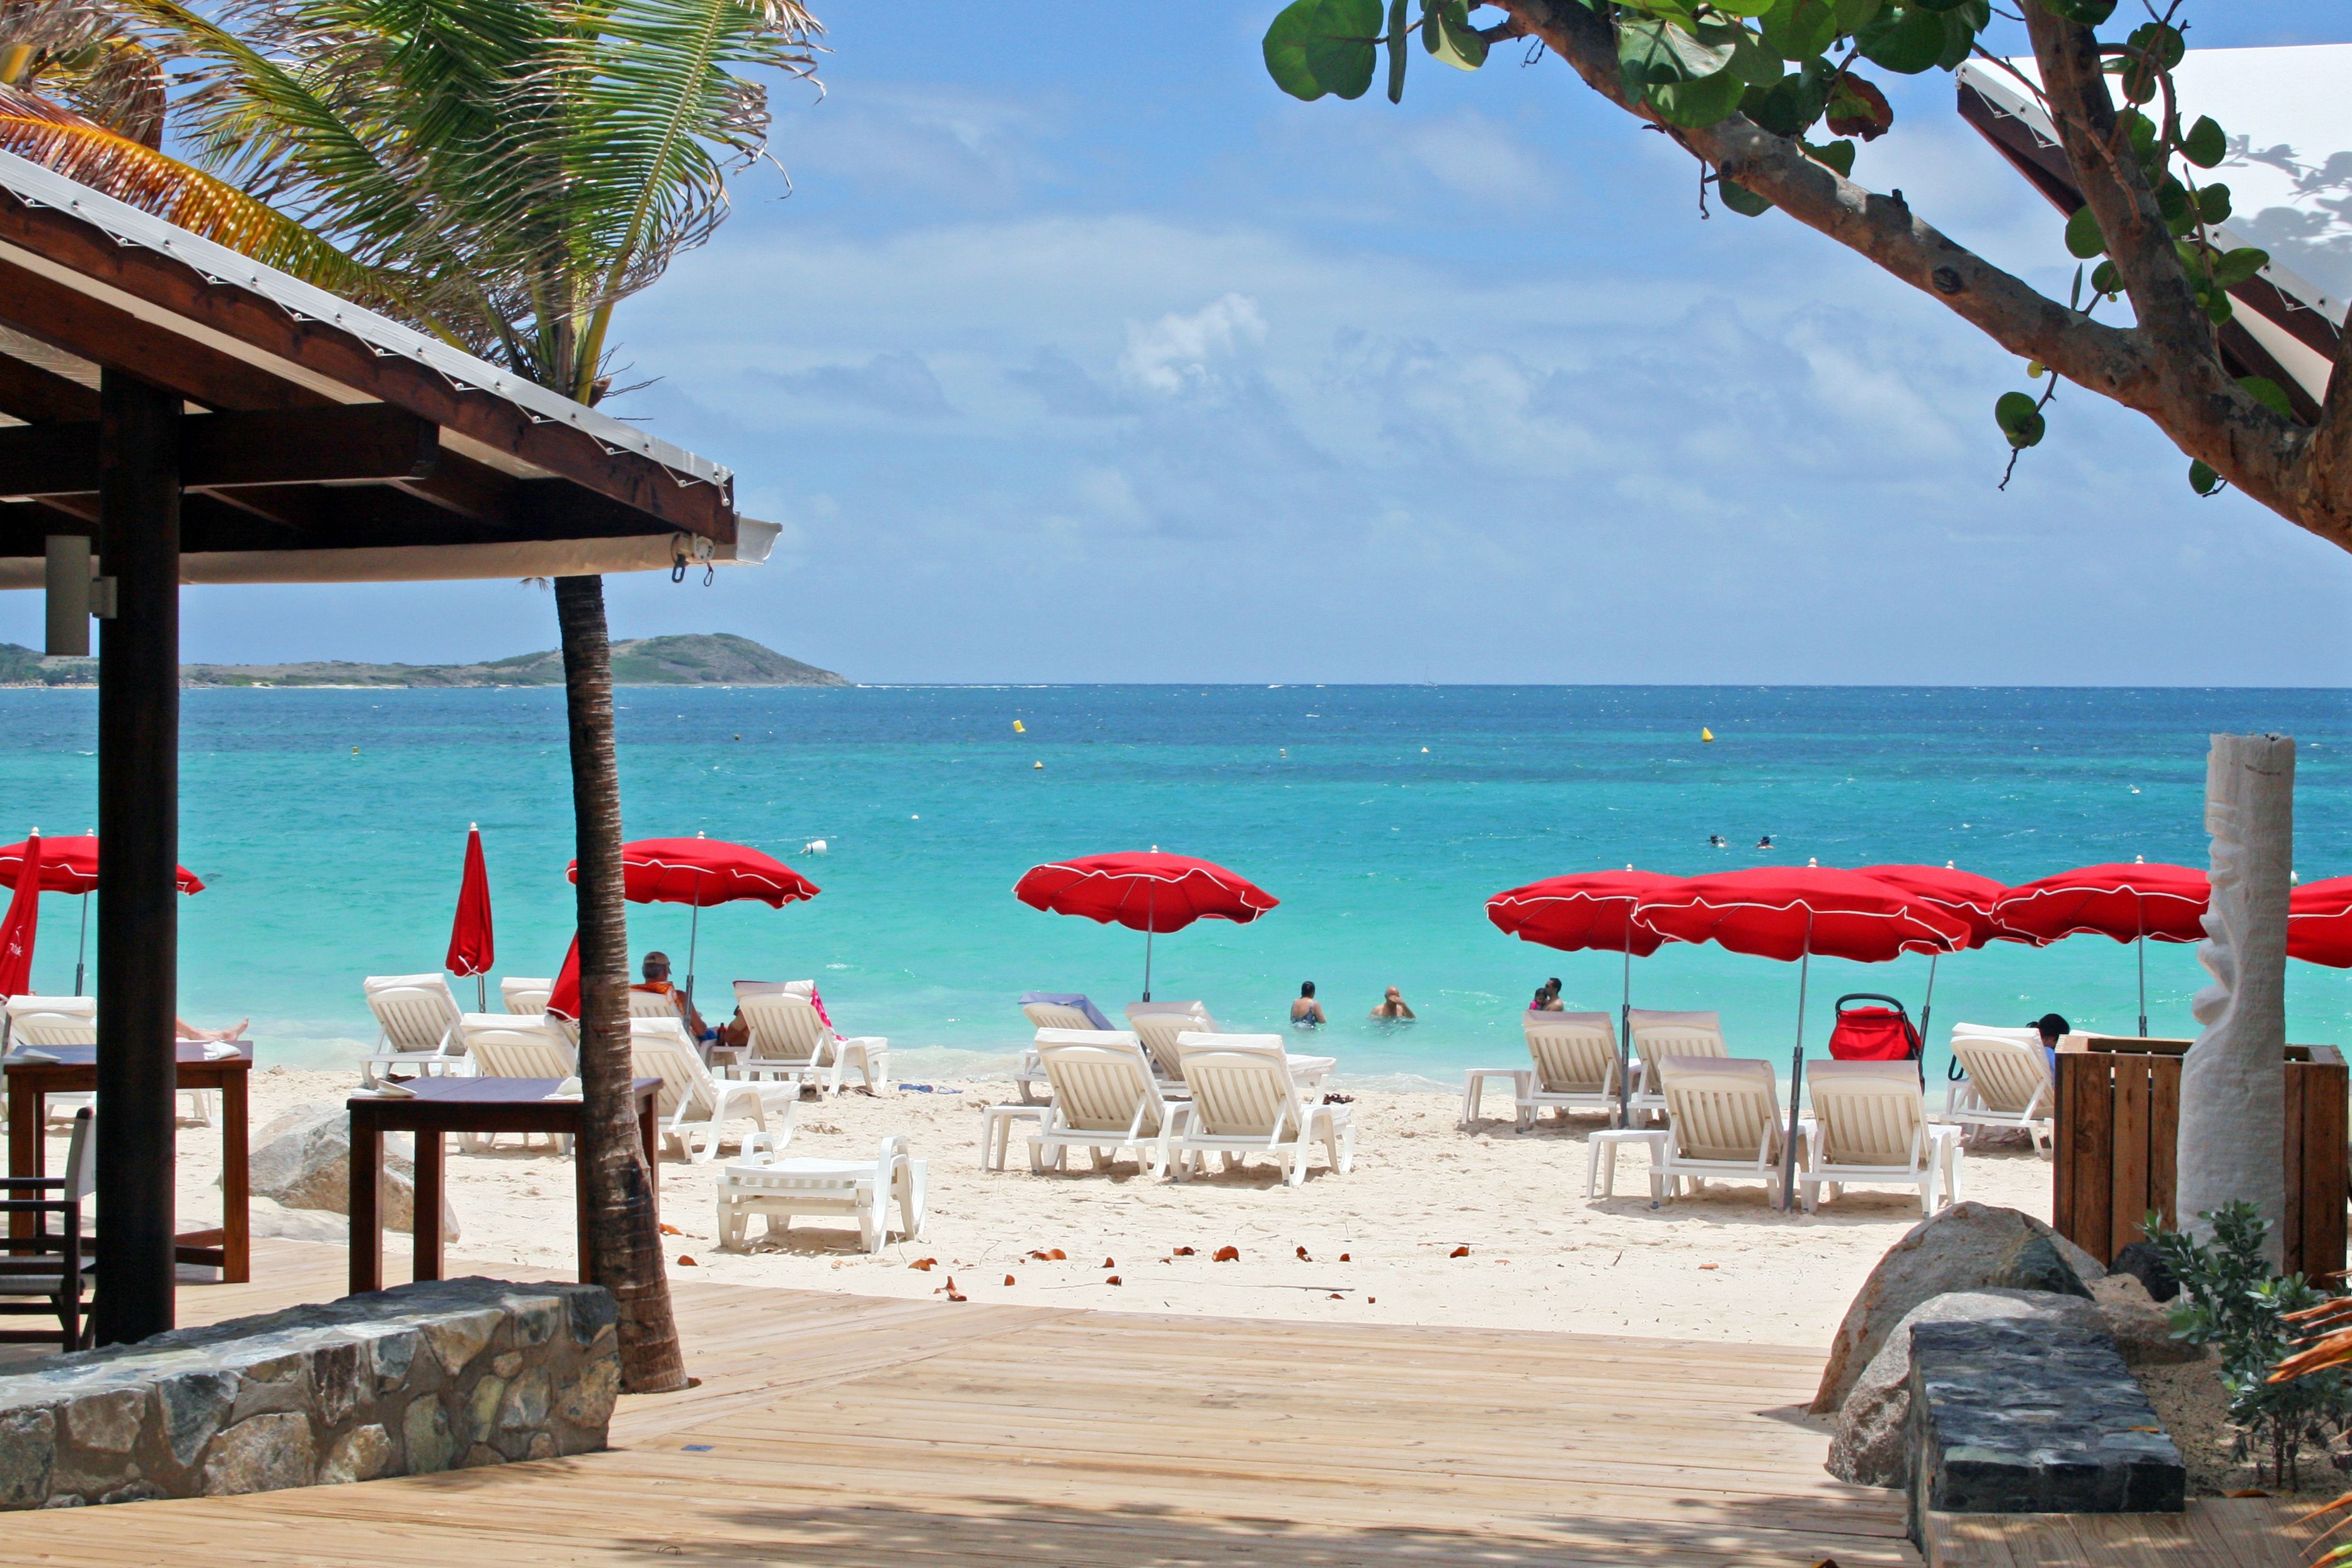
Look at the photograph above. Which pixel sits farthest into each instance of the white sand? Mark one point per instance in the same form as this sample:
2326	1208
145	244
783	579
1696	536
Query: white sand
1720	1266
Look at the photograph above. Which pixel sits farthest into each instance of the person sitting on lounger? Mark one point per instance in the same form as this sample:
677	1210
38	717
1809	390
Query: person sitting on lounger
1392	1006
181	1029
657	980
2052	1028
1307	1012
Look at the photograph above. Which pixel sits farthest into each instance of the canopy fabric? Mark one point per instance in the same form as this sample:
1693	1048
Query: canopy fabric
22	925
473	946
1792	913
71	865
1145	890
2162	903
2319	923
563	1001
1583	910
1962	895
704	871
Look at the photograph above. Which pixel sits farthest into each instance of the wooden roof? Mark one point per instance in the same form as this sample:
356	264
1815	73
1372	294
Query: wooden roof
326	442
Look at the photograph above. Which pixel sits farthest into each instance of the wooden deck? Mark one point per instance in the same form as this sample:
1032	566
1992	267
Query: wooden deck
834	1429
2216	1533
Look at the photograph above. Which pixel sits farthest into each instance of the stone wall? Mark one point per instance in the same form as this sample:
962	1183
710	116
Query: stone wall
427	1377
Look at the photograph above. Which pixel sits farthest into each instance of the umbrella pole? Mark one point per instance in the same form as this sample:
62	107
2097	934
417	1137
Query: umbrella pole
1796	1074
1625	1042
693	936
2141	944
1927	1008
1150	918
83	947
481	991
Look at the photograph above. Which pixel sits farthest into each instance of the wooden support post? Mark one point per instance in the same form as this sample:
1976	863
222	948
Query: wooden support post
139	823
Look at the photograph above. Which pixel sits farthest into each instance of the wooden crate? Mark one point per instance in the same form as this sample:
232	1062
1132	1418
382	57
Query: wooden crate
2119	1117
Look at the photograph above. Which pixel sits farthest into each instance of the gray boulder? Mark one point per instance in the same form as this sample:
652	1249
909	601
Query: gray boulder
1870	1444
2141	1327
1967	1247
303	1160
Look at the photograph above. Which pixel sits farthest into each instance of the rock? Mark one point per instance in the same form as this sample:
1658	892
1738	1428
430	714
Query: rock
1870	1442
106	1422
303	1160
587	1401
424	1432
195	1406
2142	1330
524	1409
268	1453
28	1452
458	1339
362	1454
2143	1262
268	1218
1967	1247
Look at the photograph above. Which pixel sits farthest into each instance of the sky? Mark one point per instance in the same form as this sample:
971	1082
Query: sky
1074	350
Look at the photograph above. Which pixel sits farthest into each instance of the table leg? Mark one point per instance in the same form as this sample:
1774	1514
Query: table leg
236	1184
27	1106
432	1169
580	1201
367	1214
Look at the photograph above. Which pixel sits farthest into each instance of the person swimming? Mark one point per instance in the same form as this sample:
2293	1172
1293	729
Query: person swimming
1715	840
1307	1012
1764	843
1392	1007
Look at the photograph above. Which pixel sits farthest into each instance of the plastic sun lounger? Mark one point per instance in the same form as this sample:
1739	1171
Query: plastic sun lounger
1722	1122
2007	1083
1028	1074
37	1022
516	1048
1246	1100
1158	1024
525	997
1658	1035
1106	1099
1575	1057
778	1190
418	1022
1871	1127
789	1041
691	1100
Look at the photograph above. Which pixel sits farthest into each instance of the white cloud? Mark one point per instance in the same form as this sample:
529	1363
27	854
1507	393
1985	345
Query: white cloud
1179	354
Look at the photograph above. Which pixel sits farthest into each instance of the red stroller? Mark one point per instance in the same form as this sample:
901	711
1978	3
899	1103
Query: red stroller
1882	1034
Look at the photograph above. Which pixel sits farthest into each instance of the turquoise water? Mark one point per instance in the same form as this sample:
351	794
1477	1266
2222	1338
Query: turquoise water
1382	817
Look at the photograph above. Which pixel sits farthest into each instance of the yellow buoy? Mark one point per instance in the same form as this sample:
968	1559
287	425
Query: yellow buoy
1704	733
1036	765
1019	728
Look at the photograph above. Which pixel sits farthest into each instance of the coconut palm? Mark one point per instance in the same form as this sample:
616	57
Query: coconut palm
520	167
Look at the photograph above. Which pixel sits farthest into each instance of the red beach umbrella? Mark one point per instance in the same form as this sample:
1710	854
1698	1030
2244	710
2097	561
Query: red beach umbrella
1962	895
1793	913
563	1001
2139	903
1148	891
1582	912
700	873
2319	923
71	865
23	924
473	946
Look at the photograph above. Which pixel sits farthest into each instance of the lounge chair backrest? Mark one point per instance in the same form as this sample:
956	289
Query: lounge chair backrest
2029	1035
1057	1015
652	1005
526	997
521	1051
416	1012
659	1049
783	1024
2006	1073
1101	1080
1722	1108
1575	1053
1868	1114
81	1158
86	1007
1160	1024
1659	1035
1241	1086
38	1029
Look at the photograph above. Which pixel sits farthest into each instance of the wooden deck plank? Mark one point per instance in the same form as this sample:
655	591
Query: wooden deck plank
2215	1532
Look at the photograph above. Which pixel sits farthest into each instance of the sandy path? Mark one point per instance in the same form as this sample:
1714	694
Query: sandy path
1721	1266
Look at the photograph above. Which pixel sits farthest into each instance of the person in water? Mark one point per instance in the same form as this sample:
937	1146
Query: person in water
1392	1006
1765	843
1547	999
1307	1012
1715	840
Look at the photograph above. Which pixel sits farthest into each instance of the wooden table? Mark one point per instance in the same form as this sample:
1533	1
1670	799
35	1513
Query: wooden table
228	1246
464	1105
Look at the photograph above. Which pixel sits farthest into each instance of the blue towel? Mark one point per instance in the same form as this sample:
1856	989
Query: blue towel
1068	1000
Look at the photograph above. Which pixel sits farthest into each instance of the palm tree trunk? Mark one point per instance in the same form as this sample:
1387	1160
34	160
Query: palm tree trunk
624	1253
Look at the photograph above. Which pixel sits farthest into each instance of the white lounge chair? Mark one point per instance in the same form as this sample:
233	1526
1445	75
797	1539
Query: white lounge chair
50	1268
1721	1123
36	1021
693	1101
1658	1035
1158	1024
1028	1077
865	1189
1871	1126
419	1025
525	997
515	1048
789	1040
654	1004
2008	1083
1106	1099
1575	1066
1247	1101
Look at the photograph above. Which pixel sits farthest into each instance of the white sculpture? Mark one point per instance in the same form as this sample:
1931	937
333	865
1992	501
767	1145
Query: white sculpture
2233	1082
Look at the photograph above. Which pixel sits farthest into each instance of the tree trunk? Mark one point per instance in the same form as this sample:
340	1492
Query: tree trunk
2233	1082
625	1252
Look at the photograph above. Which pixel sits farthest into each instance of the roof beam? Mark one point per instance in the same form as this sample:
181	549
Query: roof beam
362	442
30	392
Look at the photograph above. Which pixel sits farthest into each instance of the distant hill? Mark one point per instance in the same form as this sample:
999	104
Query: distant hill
697	659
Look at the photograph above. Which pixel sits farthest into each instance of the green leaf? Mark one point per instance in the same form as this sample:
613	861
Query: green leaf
1286	51
2172	201
2084	239
1905	42
2205	145
2213	204
1740	199
1853	15
2235	266
2268	393
1837	155
2106	279
1396	51
1786	107
1342	45
1446	32
1695	105
2201	476
2089	13
1751	62
1799	29
1747	8
2219	306
1650	52
2019	419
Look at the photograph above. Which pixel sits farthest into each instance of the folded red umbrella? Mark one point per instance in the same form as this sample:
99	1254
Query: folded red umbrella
71	865
473	946
1580	912
2319	923
563	1001
23	924
1144	890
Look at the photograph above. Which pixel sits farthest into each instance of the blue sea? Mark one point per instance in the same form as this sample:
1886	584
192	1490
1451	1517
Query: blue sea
329	825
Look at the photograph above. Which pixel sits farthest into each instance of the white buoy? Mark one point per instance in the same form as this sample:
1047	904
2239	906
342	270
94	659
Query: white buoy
814	847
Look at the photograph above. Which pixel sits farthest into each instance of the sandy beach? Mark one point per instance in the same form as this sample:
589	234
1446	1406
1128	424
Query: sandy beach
1377	1245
